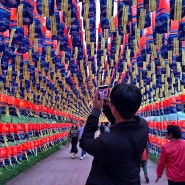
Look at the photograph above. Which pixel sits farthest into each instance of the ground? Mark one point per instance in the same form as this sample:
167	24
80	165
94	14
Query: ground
60	169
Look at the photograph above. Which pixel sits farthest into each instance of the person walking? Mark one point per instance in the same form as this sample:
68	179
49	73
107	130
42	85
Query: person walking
144	165
80	132
73	134
173	157
117	154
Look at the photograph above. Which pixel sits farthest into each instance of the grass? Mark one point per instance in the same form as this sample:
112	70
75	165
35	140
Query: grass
8	173
153	158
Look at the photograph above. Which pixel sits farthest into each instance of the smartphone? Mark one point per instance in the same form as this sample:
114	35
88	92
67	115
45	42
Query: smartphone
104	91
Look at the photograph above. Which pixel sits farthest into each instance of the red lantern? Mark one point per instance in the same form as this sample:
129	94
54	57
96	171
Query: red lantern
167	103
34	126
165	124
16	103
37	108
182	98
44	109
14	151
10	128
7	152
36	143
3	98
173	100
29	145
11	100
2	128
31	105
42	141
2	153
19	128
25	127
19	149
22	103
32	145
29	127
27	104
25	147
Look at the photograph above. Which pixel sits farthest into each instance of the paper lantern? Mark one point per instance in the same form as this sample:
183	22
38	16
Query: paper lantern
5	18
3	98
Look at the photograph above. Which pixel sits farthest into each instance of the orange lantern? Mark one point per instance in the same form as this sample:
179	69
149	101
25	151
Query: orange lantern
3	98
3	128
22	103
11	100
2	153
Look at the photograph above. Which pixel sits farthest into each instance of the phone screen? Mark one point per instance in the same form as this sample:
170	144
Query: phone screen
103	91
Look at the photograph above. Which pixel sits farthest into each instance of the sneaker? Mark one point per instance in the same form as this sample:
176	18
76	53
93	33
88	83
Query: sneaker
147	179
81	157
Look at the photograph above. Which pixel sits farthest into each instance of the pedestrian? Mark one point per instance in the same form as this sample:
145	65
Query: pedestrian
144	165
73	134
173	157
80	132
117	154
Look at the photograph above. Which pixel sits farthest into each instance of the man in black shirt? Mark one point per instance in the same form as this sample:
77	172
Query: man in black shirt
117	154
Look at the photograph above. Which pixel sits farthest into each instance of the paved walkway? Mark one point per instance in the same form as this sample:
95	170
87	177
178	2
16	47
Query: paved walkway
60	169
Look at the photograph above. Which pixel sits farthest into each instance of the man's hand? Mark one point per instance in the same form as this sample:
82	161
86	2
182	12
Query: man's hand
98	103
157	180
106	101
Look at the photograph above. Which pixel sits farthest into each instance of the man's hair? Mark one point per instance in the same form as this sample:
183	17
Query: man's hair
175	131
127	99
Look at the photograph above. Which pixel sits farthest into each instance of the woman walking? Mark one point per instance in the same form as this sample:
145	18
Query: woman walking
74	140
172	156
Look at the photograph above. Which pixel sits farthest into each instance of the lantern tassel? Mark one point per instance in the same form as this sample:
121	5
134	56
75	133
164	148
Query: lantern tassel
170	57
53	25
0	68
152	5
178	10
176	46
86	10
20	16
109	9
112	27
36	45
64	6
125	15
183	57
142	19
11	36
32	31
45	8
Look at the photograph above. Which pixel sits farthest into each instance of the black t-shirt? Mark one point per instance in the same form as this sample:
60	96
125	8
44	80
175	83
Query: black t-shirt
74	133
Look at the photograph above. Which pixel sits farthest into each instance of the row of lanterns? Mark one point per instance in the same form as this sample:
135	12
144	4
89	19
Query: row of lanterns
53	53
23	104
21	151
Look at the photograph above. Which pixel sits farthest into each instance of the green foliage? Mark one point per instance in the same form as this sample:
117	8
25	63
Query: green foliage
24	119
153	158
8	173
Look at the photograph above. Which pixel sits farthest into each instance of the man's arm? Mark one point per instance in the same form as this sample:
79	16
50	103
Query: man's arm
108	114
95	147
